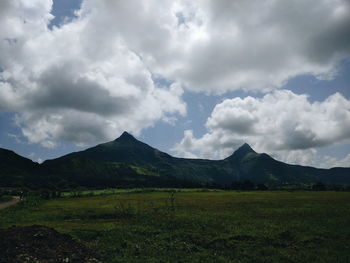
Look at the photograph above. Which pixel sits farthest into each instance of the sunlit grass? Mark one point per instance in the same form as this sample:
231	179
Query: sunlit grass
192	226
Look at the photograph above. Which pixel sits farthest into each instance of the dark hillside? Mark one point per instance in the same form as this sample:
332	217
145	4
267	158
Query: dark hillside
15	169
128	162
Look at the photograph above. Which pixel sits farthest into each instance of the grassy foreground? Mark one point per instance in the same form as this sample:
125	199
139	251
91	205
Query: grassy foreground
223	226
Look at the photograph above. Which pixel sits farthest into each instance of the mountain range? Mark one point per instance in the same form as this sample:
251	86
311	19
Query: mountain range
128	162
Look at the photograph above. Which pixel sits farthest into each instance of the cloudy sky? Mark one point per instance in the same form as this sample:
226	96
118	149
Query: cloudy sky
194	78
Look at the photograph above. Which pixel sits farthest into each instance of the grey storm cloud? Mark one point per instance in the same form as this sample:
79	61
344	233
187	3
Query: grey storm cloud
61	89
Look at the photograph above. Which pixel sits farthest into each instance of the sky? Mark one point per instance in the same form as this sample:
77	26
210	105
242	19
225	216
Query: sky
193	78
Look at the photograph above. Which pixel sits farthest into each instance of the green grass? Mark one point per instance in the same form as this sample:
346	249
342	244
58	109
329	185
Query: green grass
193	226
111	191
144	171
5	198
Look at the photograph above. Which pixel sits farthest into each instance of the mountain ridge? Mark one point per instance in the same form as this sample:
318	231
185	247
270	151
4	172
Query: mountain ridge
127	161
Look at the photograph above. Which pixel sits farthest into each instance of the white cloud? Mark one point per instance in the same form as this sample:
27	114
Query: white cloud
77	83
216	46
93	77
281	123
334	162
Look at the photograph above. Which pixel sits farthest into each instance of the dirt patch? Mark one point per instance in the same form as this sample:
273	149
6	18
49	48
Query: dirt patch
41	244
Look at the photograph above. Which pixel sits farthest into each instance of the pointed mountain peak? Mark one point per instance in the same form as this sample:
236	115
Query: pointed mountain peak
126	137
245	148
241	152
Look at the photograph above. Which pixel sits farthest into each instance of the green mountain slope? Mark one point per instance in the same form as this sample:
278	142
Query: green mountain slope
108	159
129	162
262	168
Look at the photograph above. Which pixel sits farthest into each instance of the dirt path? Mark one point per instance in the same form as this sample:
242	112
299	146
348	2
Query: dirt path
15	200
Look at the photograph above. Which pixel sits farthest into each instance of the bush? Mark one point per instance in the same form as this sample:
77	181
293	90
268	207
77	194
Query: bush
31	199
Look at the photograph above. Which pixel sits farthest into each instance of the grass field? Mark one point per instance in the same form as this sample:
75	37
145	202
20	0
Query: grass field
5	198
195	226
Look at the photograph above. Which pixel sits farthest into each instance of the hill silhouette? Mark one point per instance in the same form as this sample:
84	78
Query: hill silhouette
128	162
14	169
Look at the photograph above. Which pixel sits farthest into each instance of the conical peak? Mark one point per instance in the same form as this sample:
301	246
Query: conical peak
245	148
126	137
241	152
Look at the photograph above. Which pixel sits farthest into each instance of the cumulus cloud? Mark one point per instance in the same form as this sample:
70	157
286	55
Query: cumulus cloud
77	83
216	46
94	76
281	123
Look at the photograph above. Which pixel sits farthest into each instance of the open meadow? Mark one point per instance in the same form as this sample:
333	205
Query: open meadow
199	225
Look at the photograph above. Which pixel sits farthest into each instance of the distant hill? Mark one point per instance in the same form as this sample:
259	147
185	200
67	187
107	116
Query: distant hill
128	162
14	169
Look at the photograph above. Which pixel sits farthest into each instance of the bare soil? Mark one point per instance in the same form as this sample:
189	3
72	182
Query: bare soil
41	244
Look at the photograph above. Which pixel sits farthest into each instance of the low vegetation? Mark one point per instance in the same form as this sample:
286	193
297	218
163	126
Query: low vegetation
198	225
5	198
